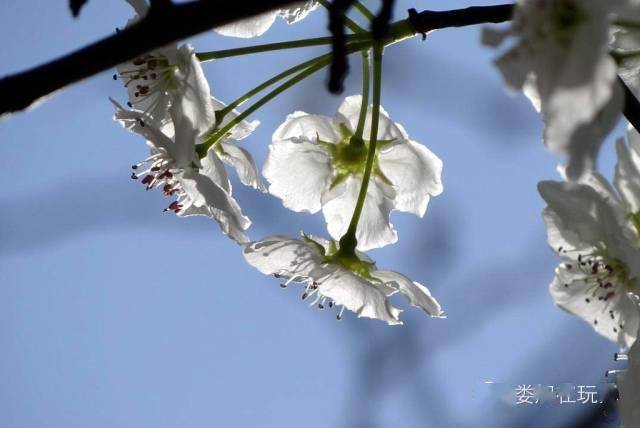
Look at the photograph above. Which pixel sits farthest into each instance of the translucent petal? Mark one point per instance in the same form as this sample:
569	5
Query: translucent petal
417	294
415	173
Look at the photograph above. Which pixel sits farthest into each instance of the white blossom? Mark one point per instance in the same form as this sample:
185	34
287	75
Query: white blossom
259	24
560	59
331	279
157	79
201	186
628	382
312	166
600	264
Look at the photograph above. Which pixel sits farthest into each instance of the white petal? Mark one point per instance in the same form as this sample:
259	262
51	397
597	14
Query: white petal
349	113
131	121
297	11
493	37
582	143
239	131
300	126
249	27
193	88
298	173
213	168
573	295
242	161
417	294
581	211
415	173
515	68
582	86
219	205
627	175
186	134
356	294
284	256
374	229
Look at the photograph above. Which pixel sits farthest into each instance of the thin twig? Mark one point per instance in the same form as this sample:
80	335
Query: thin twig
176	22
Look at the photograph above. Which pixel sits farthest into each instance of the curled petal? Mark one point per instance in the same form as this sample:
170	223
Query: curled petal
242	161
250	27
207	198
417	294
280	255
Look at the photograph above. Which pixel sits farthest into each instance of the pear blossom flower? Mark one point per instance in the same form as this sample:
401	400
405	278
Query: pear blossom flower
156	79
259	24
628	383
312	165
600	264
623	196
561	61
331	279
200	186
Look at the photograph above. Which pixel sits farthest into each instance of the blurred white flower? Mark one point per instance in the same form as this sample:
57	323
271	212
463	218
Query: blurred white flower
628	382
200	186
312	166
601	265
156	79
257	25
626	44
561	61
352	282
624	195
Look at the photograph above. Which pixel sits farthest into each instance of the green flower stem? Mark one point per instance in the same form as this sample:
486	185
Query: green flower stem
349	242
399	31
364	11
239	101
357	136
318	41
217	135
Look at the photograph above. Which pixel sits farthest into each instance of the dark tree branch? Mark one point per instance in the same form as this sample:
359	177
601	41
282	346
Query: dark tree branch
339	63
380	24
631	107
167	24
426	21
75	6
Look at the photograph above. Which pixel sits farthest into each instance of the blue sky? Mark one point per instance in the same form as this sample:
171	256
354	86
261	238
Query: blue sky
113	313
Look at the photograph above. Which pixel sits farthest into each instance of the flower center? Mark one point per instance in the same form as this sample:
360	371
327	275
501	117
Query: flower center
349	157
566	18
158	174
151	75
606	278
635	221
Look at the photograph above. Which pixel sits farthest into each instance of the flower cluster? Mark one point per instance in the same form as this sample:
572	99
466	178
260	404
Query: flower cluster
356	167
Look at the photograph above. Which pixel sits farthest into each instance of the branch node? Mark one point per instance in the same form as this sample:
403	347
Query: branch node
413	19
